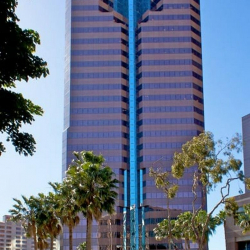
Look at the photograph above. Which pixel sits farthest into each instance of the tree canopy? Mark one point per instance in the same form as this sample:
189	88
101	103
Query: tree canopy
94	187
89	187
27	212
17	63
214	164
66	207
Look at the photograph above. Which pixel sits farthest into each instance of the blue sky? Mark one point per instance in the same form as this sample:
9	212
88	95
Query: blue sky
226	72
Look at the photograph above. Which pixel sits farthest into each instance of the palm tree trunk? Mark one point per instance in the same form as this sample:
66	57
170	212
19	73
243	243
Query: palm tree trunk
70	237
34	236
89	231
187	244
200	247
169	244
51	242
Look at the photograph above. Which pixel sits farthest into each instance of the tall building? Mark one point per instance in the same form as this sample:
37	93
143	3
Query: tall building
133	92
246	145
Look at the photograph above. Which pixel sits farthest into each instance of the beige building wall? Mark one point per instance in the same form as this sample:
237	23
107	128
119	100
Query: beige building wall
12	236
246	145
235	240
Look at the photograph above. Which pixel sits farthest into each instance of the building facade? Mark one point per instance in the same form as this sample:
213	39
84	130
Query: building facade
246	145
133	92
13	236
235	240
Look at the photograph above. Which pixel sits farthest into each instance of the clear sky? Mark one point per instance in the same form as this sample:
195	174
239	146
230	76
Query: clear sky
226	72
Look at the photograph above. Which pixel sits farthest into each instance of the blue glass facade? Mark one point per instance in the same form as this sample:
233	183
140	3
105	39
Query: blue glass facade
133	92
132	17
121	7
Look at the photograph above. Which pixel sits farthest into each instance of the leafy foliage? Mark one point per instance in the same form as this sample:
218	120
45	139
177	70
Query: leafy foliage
48	220
82	246
89	187
27	212
94	187
164	181
39	219
66	208
213	163
241	216
17	62
204	152
181	229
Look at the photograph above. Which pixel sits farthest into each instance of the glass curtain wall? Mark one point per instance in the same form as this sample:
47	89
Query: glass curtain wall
133	92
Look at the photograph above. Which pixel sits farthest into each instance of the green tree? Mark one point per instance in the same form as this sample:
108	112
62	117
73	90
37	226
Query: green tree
66	207
82	246
39	219
215	164
47	219
164	181
241	216
181	229
26	213
42	239
17	62
94	185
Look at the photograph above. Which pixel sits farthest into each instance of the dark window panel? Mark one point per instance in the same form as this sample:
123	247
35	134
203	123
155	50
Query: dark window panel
183	39
169	97
98	87
170	121
177	85
99	75
169	74
160	109
75	123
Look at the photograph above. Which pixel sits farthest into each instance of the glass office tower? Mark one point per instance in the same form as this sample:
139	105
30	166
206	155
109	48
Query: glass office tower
133	92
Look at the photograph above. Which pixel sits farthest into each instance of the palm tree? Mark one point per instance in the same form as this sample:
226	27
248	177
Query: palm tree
47	218
94	186
42	239
65	207
26	213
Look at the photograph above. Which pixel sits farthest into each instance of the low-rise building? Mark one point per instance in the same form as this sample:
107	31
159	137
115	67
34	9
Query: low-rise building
13	237
235	240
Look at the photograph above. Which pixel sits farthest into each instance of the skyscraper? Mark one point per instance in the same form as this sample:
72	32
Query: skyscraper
246	145
133	92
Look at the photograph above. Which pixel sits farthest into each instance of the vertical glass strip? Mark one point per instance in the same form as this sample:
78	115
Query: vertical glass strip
120	7
67	81
142	7
134	240
125	209
141	187
125	188
124	228
135	10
